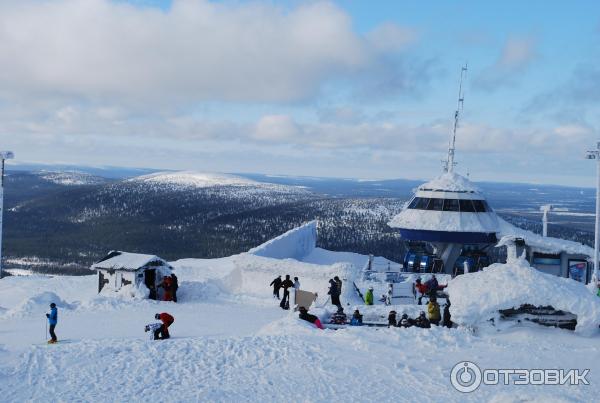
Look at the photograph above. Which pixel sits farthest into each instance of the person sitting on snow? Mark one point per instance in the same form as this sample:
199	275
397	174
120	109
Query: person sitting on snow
304	315
405	321
357	318
447	322
422	321
433	309
392	319
369	297
163	331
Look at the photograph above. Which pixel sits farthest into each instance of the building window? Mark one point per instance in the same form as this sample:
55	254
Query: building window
450	205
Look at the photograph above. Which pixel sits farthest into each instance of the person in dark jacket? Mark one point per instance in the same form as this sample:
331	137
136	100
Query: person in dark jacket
405	321
392	319
276	286
174	286
286	284
422	321
52	321
338	282
304	315
447	321
334	293
163	331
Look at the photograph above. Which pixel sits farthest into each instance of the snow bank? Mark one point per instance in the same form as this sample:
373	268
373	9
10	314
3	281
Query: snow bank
38	303
295	244
477	297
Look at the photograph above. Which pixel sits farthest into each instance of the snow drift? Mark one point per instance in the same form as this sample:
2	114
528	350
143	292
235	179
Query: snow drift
294	244
477	297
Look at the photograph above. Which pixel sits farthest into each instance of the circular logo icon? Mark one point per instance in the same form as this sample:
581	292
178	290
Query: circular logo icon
465	376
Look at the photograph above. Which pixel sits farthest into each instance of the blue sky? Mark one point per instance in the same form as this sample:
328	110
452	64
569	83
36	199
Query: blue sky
347	88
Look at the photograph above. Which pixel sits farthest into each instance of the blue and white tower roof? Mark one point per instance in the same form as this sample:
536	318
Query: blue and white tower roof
450	208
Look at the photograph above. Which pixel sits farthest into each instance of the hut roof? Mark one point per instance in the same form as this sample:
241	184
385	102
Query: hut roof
118	260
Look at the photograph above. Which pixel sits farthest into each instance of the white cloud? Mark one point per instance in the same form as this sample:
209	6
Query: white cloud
516	55
197	50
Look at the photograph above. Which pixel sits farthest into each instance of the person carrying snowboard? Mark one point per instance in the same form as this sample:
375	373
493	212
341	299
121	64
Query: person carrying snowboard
369	297
52	321
163	331
286	284
304	315
276	286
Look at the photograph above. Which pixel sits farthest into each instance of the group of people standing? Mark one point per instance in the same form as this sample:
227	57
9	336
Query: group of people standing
286	284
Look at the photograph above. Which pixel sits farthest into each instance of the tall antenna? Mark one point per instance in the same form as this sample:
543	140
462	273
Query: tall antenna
449	163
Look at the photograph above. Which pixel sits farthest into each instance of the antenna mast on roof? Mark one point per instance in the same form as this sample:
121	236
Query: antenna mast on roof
449	163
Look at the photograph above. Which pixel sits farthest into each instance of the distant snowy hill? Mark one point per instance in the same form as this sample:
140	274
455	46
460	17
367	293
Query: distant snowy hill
72	178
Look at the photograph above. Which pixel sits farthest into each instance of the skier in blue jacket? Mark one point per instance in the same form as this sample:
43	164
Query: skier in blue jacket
52	321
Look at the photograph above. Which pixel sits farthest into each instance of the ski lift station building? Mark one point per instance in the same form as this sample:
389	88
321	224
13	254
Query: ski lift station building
118	269
450	227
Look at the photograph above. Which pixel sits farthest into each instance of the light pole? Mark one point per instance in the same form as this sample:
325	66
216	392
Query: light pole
545	209
595	155
4	155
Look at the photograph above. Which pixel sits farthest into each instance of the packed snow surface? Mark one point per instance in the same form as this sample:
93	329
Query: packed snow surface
232	343
477	297
450	182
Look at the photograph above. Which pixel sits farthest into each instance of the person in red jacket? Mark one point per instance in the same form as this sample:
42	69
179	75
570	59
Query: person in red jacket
163	331
167	284
422	289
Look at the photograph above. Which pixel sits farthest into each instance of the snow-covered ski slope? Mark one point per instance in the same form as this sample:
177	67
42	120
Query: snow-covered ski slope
231	342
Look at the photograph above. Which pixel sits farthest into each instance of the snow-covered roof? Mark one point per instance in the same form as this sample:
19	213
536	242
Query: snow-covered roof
450	182
539	243
477	297
118	260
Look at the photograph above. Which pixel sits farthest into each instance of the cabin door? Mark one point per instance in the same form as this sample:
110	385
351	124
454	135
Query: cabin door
150	282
